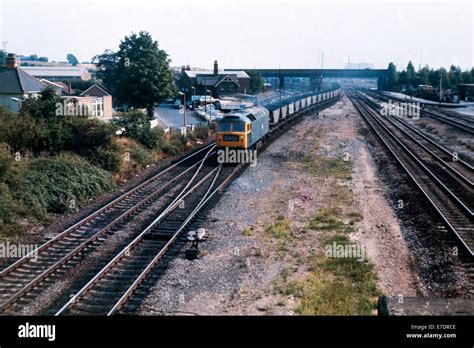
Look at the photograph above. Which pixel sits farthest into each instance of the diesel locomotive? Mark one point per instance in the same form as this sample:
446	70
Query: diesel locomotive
248	128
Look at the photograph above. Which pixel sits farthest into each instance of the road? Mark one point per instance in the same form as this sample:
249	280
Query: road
172	118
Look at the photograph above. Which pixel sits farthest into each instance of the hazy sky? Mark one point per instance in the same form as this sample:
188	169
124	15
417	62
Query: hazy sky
249	33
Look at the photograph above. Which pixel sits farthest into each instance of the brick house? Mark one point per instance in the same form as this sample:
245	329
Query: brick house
219	82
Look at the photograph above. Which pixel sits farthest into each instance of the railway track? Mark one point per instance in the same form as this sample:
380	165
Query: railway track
120	272
448	118
111	287
445	117
433	176
27	273
449	159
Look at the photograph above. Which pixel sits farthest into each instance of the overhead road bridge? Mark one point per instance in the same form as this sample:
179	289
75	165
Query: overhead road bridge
317	75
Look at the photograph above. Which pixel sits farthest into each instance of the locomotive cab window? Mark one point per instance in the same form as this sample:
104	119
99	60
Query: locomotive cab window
238	127
231	127
224	127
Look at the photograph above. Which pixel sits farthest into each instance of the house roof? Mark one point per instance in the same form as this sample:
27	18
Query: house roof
195	73
14	81
51	83
45	71
211	80
95	91
227	78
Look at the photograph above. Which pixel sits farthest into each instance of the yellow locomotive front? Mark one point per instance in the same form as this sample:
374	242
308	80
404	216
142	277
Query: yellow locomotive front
232	133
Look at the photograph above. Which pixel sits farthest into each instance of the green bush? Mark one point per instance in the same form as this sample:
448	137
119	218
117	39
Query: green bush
23	133
89	138
175	144
57	184
140	155
8	208
136	125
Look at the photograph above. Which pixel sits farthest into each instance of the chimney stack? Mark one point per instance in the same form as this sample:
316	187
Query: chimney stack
11	62
216	68
183	69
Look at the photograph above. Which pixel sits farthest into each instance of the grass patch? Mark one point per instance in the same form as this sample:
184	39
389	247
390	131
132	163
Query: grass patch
328	220
248	231
280	229
335	286
327	167
354	217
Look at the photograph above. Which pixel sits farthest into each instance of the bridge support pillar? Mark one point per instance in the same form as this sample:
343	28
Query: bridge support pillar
281	84
380	83
312	83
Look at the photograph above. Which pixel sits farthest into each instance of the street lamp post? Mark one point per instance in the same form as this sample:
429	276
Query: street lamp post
210	95
194	99
184	109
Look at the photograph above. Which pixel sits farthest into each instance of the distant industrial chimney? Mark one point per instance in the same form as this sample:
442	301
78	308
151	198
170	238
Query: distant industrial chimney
10	61
216	68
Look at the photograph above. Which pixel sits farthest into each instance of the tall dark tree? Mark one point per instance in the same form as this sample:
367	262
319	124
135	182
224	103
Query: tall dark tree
466	77
392	76
433	77
403	77
411	74
71	58
444	74
107	63
455	76
3	55
139	73
423	75
256	82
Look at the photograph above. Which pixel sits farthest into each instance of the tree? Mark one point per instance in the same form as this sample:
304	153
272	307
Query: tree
466	77
433	77
403	78
136	125
139	73
455	76
410	73
423	75
256	82
3	55
44	106
71	58
444	74
392	76
107	63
